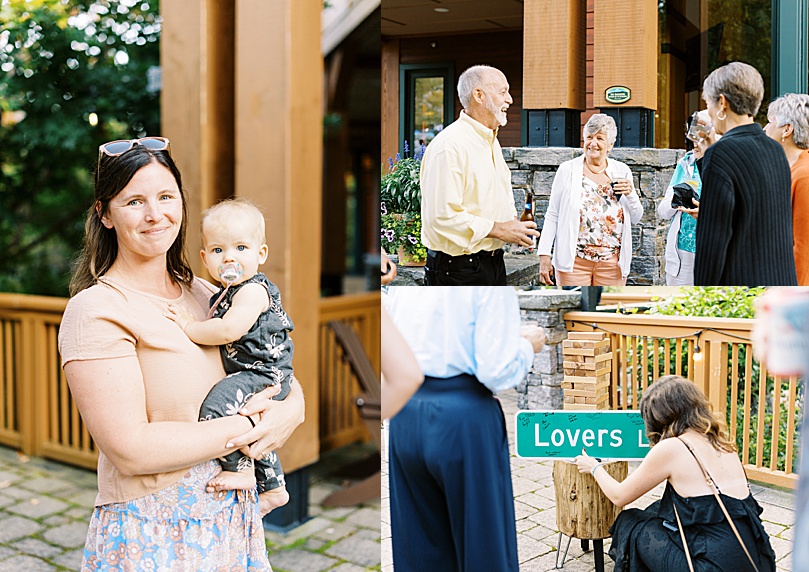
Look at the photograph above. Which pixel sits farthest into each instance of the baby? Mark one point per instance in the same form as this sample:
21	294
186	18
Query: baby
252	330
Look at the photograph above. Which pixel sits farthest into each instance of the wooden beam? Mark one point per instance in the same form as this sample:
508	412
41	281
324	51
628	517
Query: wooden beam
196	54
390	100
554	54
625	51
278	143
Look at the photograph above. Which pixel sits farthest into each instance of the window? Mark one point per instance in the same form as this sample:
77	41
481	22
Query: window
698	36
426	102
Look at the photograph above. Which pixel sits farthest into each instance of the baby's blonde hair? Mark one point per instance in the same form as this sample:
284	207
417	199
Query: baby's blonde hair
234	211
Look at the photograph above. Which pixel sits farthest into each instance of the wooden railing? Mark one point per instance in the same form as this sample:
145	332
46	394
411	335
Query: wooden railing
340	422
38	415
761	410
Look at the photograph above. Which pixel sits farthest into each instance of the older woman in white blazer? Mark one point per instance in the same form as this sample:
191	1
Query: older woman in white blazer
588	224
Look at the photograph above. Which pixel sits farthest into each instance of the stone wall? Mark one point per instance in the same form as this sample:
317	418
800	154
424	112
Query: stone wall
534	168
542	387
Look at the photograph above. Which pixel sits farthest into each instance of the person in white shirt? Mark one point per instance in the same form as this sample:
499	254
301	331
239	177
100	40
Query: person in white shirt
451	499
589	219
467	205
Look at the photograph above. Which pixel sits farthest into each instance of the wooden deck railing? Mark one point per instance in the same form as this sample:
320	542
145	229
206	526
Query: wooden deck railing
340	422
762	411
37	413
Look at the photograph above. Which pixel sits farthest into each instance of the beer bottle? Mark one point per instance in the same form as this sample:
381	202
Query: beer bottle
528	214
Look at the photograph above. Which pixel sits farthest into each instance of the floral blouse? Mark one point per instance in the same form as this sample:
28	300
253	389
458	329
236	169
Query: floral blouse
601	223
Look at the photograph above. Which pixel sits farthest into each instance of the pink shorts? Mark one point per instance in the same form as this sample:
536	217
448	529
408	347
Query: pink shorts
589	273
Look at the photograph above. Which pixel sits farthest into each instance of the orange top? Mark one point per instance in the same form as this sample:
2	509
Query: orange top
110	320
800	216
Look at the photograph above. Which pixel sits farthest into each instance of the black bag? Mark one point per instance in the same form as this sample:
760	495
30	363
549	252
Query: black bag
683	196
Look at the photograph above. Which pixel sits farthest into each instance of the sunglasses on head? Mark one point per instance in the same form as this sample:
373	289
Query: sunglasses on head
116	148
121	146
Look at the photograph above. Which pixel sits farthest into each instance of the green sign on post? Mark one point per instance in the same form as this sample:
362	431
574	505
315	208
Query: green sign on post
615	435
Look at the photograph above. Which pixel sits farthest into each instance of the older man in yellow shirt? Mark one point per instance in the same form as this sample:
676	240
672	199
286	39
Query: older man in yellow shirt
467	206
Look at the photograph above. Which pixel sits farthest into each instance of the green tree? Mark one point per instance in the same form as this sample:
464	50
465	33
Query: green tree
73	74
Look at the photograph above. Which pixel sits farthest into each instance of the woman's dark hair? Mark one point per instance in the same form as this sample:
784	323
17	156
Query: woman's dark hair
673	404
100	247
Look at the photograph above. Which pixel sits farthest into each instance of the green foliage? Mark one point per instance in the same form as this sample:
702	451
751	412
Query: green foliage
401	188
64	63
725	303
711	301
401	207
403	230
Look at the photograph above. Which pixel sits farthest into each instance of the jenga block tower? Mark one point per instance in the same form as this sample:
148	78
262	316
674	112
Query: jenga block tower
587	363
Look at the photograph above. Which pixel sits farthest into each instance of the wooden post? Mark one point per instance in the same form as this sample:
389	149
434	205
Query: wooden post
390	100
278	143
582	510
625	51
553	63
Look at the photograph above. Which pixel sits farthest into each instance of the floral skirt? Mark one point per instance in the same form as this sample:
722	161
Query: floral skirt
180	528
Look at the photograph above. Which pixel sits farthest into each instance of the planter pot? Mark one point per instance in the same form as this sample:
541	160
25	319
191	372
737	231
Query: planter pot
406	259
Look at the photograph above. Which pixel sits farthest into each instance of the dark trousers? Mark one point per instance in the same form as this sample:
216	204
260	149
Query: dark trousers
484	268
451	501
226	398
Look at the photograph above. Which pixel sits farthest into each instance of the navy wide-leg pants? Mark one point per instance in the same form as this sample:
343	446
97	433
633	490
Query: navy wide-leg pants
451	501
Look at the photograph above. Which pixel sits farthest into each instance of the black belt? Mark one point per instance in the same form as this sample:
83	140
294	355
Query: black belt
444	257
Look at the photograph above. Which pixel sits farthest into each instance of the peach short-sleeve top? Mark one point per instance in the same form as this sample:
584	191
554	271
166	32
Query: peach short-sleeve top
110	320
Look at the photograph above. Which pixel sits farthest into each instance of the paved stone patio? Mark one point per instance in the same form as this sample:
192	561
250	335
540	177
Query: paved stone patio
535	511
45	509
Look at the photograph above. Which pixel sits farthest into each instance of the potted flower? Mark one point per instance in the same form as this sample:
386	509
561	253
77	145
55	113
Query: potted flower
401	210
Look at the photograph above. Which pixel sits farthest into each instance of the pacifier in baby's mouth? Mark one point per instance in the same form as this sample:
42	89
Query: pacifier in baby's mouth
230	272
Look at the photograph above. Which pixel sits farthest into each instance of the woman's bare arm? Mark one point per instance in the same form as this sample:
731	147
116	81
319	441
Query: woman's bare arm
401	374
110	396
653	470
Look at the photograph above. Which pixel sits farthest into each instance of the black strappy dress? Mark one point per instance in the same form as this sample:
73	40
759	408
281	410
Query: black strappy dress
649	541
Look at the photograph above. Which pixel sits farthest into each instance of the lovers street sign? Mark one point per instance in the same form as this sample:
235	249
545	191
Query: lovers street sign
616	435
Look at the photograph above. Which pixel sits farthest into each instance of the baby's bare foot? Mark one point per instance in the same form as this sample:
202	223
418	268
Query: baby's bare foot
272	499
229	481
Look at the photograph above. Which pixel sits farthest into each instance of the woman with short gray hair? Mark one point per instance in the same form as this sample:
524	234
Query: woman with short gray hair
589	218
788	123
744	235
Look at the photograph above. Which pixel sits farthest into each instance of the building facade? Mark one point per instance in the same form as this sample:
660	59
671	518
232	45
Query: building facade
641	61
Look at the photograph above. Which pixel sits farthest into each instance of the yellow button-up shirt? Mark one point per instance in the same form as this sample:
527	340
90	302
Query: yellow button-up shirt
465	189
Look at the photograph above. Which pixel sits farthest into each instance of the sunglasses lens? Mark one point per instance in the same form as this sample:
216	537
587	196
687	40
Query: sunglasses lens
117	147
154	144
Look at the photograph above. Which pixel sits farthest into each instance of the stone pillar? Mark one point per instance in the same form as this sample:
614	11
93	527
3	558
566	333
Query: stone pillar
542	387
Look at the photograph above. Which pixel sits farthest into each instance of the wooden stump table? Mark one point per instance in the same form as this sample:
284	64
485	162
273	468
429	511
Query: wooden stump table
583	511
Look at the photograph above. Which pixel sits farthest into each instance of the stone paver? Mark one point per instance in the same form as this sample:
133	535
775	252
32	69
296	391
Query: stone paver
535	513
36	547
38	507
26	563
67	535
297	560
14	527
45	508
356	548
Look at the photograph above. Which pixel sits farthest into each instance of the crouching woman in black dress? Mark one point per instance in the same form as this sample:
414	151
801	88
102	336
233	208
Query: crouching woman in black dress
690	449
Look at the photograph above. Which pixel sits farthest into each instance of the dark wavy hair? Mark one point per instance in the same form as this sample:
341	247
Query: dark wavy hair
673	404
100	247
